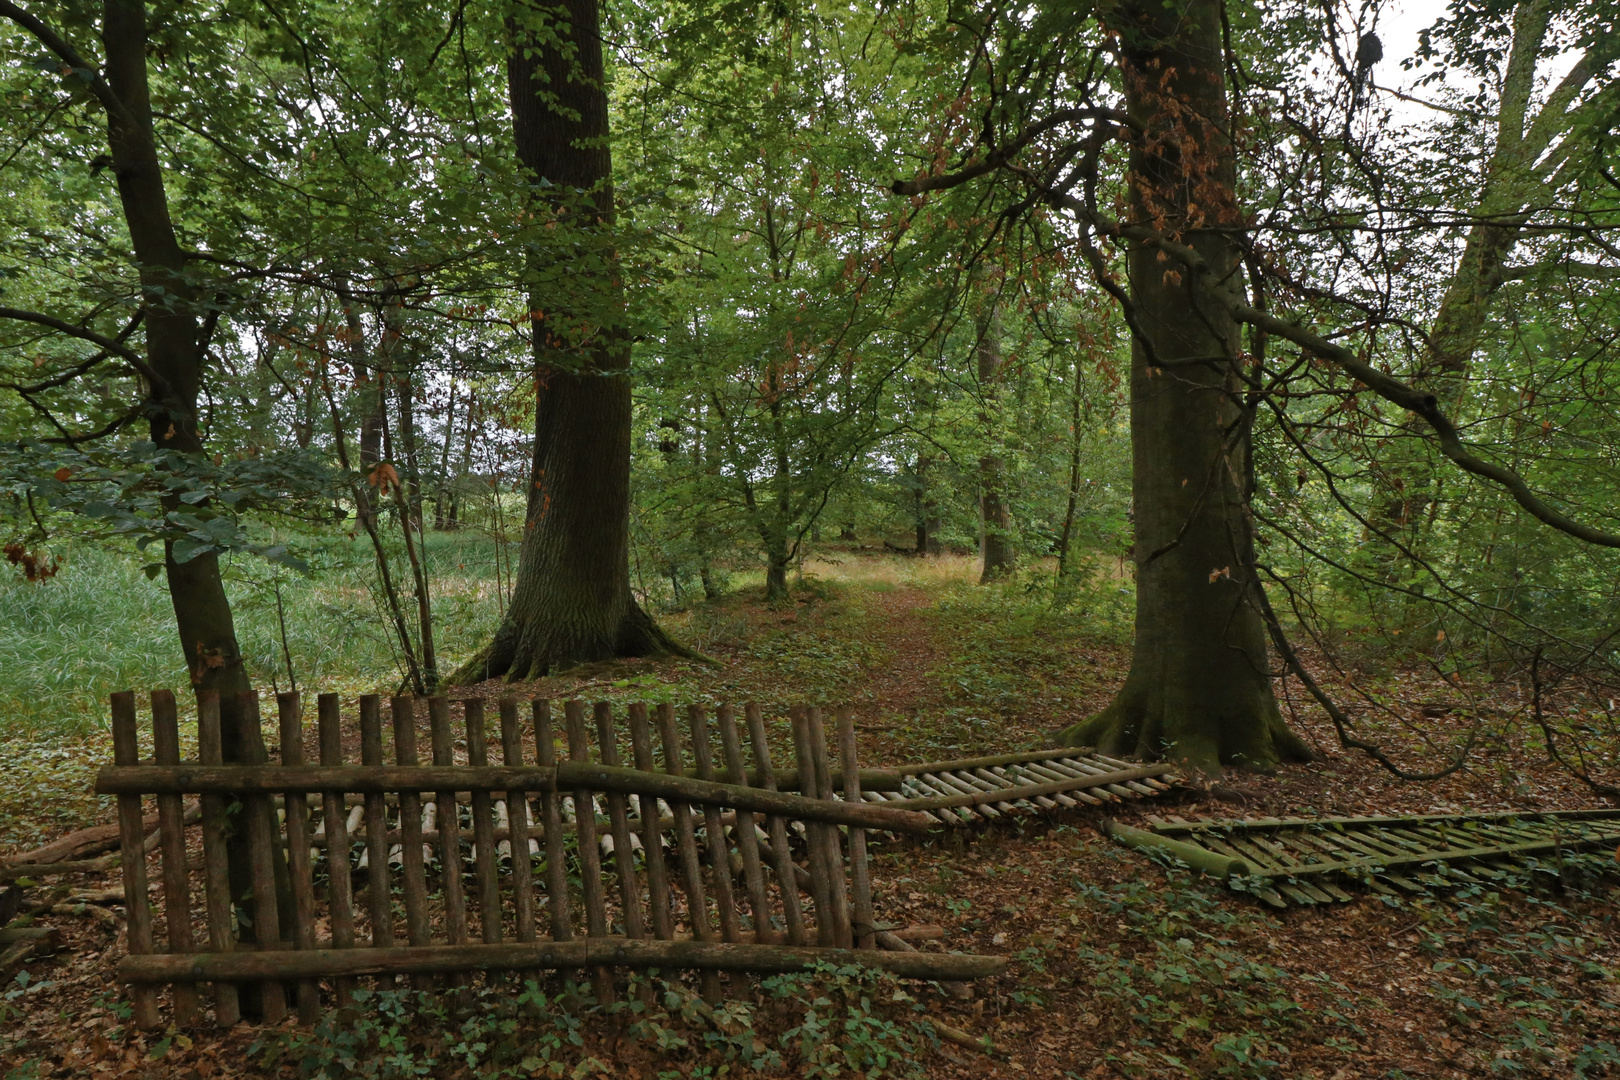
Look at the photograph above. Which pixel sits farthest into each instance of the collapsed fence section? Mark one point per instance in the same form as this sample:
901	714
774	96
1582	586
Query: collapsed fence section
577	863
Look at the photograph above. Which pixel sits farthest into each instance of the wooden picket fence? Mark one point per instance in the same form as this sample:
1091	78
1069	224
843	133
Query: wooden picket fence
700	869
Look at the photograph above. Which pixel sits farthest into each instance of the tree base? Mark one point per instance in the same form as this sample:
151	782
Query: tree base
1142	723
517	656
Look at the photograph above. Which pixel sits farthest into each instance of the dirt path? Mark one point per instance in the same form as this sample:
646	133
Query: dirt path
901	687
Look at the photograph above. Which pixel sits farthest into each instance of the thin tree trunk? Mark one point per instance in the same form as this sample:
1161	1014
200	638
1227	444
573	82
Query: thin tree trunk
571	602
442	487
175	355
1067	535
995	522
1199	688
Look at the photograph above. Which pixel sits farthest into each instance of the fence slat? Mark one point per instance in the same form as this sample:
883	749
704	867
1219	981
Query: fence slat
517	812
489	894
132	845
290	720
379	889
814	838
861	919
412	871
714	831
590	854
449	822
172	845
838	887
216	859
339	888
747	841
263	854
652	832
697	901
624	856
562	919
787	879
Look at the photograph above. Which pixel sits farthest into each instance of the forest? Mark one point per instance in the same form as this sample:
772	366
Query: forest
1214	393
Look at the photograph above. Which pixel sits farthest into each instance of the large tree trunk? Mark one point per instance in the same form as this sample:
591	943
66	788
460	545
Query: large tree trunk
572	601
1199	688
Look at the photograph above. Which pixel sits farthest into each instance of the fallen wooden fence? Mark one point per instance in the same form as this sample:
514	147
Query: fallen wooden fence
1308	861
970	791
702	873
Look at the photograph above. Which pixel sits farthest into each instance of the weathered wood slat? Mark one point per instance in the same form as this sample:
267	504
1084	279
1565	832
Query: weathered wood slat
861	917
624	861
517	810
781	858
413	872
263	854
172	844
132	841
483	813
759	905
659	898
697	900
339	888
300	873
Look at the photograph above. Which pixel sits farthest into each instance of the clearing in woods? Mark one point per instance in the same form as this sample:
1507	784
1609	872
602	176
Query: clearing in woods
1119	968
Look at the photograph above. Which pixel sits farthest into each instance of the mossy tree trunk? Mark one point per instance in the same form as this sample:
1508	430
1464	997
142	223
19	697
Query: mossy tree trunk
571	602
1199	689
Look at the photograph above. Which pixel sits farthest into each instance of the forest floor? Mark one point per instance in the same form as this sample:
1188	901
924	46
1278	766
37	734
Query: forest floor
1120	968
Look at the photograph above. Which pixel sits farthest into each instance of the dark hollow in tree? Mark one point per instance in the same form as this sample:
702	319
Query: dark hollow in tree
571	602
1199	688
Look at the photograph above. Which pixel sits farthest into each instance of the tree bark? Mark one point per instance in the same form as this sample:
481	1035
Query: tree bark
175	355
995	521
1199	689
571	602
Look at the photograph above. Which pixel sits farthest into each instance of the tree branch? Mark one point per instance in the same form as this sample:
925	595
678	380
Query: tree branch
69	56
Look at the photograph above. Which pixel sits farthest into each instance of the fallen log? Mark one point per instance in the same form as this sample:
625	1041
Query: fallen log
520	955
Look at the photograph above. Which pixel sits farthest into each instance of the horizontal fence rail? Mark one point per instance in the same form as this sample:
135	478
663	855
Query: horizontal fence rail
582	851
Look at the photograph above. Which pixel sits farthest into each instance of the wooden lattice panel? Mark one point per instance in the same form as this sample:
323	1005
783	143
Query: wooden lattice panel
1310	860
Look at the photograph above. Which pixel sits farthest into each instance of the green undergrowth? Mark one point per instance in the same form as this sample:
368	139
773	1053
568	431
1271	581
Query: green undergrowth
828	1022
1024	648
1522	972
101	625
1183	992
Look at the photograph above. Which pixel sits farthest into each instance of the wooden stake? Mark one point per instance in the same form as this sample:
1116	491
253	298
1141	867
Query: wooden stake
339	889
787	880
651	825
747	841
861	920
714	831
489	893
623	855
697	900
449	822
517	812
815	838
262	854
402	710
132	841
216	862
590	855
290	720
562	920
379	889
172	843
